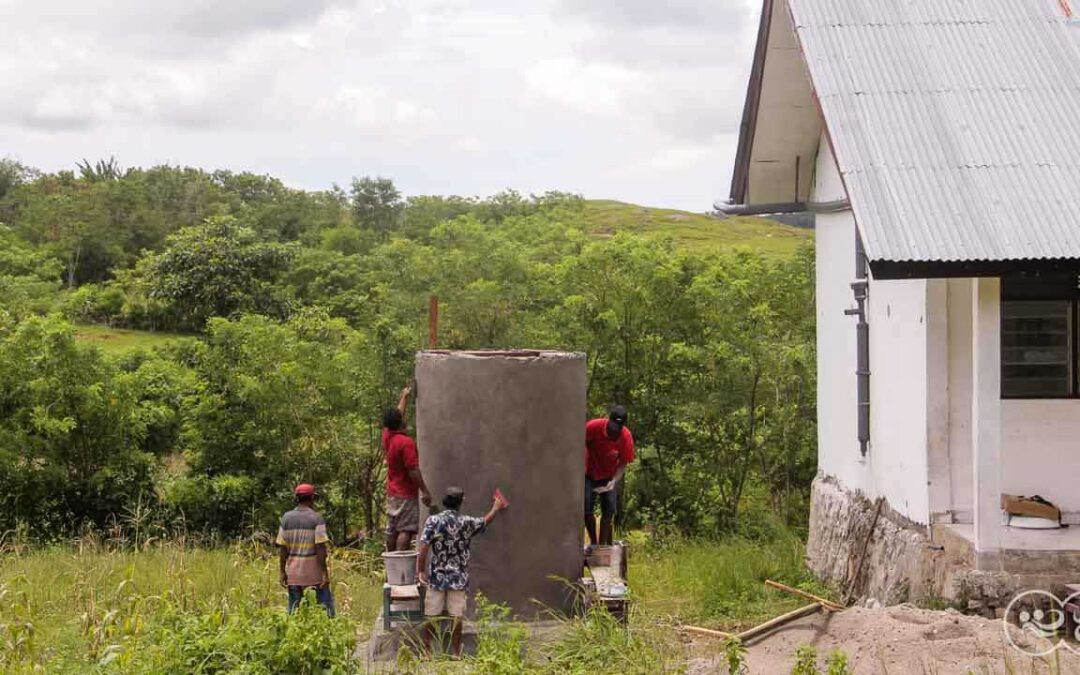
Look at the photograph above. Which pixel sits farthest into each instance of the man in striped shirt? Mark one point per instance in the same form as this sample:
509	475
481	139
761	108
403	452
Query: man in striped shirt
301	544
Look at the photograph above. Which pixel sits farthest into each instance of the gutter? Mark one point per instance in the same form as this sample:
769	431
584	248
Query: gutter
729	209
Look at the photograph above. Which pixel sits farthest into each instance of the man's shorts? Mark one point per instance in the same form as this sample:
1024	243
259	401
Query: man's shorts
436	601
608	500
402	515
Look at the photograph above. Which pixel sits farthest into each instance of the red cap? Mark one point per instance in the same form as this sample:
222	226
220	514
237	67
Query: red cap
304	490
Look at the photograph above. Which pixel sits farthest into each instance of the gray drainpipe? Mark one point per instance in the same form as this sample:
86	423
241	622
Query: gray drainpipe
729	209
861	290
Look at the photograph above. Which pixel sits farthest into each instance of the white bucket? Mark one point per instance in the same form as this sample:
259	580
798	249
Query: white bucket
400	567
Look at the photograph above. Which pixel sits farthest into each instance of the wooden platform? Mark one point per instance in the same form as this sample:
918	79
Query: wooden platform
403	603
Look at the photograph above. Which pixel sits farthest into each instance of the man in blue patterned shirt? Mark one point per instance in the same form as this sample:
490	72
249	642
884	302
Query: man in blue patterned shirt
445	542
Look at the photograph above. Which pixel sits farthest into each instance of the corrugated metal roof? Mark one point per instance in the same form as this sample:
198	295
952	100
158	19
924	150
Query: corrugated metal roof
956	123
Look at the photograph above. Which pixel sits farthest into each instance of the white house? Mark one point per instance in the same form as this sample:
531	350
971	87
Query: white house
938	142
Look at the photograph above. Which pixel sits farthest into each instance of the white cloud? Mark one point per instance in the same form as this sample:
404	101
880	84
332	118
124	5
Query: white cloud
616	98
599	89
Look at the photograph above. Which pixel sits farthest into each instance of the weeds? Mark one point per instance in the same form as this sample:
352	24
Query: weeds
735	655
721	584
169	608
805	661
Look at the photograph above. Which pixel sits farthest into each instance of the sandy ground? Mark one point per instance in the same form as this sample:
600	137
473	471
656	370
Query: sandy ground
901	640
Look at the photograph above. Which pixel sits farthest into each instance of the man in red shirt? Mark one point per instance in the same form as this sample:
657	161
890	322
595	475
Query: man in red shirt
403	478
609	448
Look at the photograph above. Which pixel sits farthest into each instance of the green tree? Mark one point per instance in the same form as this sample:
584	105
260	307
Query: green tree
217	269
376	205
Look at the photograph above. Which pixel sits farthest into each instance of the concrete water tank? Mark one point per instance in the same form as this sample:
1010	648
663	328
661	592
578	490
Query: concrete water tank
513	420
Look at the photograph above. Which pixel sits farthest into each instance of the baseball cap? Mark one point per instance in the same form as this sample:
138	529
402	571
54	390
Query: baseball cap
616	418
304	490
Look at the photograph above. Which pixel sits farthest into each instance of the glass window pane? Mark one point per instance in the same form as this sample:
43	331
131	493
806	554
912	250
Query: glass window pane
1036	348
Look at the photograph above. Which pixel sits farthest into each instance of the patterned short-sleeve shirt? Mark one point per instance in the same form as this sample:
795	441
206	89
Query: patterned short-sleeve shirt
301	530
449	534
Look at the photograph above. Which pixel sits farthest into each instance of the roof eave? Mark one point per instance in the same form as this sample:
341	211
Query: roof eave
740	176
946	269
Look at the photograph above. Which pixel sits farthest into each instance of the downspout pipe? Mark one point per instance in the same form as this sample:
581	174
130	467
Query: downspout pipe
729	209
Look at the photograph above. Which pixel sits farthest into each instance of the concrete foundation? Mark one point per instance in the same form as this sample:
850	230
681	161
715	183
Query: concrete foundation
516	421
908	562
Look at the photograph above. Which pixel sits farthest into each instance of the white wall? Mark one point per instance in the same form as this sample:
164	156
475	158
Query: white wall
1040	439
960	469
937	397
896	465
1040	448
838	443
898	394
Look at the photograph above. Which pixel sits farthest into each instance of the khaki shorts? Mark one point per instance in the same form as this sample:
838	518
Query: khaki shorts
436	601
402	515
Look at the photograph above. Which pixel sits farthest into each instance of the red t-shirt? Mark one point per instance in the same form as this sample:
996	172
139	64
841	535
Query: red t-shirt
401	456
602	454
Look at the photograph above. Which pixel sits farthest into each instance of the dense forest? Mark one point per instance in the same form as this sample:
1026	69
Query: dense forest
288	319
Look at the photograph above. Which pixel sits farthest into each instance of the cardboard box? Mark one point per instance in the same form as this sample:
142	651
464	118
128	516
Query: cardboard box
1025	506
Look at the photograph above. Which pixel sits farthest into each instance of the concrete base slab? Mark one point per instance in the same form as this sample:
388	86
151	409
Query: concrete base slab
381	650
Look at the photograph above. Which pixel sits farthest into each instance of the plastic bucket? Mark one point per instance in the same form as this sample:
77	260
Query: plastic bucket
400	567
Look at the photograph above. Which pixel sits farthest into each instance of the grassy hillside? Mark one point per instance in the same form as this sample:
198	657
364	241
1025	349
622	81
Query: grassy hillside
696	231
118	340
699	232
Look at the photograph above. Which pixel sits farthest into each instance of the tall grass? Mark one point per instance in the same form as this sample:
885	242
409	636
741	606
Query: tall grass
79	608
719	584
168	607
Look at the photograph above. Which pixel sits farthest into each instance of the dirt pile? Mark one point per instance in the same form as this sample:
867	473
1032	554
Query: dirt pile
898	640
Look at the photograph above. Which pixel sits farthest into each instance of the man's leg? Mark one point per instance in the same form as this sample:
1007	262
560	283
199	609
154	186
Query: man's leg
326	599
393	521
608	505
455	607
590	505
434	604
296	594
455	637
407	523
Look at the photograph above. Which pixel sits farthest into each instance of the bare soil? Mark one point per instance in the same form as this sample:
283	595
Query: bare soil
900	640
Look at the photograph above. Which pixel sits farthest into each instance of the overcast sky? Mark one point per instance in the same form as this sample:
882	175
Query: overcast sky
637	100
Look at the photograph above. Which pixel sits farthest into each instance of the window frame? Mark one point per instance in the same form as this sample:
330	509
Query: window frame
1049	288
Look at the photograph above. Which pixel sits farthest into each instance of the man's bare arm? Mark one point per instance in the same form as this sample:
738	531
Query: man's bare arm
320	555
418	480
614	479
283	560
403	401
496	506
421	563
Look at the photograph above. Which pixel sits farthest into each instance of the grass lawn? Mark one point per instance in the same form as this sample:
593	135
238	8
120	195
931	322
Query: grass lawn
86	608
119	340
696	231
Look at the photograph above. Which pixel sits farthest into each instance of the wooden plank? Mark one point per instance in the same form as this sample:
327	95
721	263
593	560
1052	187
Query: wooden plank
410	592
778	621
707	631
831	606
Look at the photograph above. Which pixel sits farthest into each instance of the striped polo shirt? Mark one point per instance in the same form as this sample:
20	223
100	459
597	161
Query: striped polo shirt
301	529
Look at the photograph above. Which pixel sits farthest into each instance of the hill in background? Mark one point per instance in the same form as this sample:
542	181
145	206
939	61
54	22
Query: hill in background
697	231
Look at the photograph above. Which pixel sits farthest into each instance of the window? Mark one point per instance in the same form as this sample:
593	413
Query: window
1040	318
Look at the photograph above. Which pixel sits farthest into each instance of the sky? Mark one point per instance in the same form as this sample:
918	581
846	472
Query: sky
636	100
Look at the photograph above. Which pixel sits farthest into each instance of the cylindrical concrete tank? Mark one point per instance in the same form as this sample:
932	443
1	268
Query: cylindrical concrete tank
514	421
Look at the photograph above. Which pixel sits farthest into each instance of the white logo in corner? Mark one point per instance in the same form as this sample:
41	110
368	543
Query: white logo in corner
1035	623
